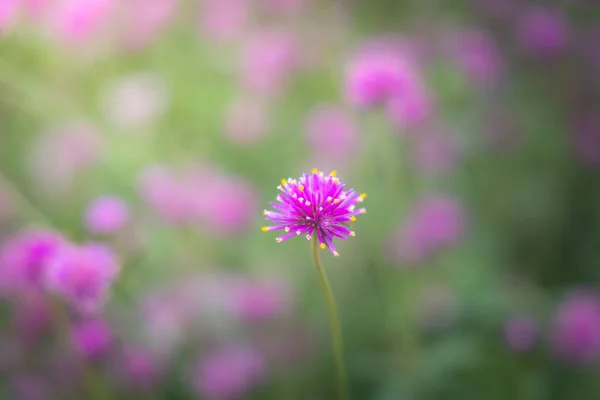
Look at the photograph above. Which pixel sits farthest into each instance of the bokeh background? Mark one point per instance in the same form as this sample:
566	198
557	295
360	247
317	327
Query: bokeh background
140	141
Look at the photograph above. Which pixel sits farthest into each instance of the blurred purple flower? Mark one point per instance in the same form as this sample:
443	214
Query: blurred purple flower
476	54
260	300
520	333
379	73
24	259
8	13
246	121
141	369
317	204
267	60
332	133
223	20
437	222
168	195
542	30
83	275
434	153
136	100
586	139
228	373
145	20
576	332
32	317
412	108
30	387
224	203
61	154
92	339
106	214
78	21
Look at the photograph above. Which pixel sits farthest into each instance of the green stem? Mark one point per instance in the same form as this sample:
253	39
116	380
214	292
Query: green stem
334	320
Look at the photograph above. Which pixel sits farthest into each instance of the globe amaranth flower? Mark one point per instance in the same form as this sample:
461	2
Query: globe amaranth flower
314	204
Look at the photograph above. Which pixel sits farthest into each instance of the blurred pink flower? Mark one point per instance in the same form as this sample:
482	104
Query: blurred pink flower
260	300
228	373
520	333
586	139
29	386
223	20
435	223
83	275
145	20
8	13
32	318
332	132
542	31
106	214
409	110
267	60
378	73
92	339
246	121
24	260
78	21
60	155
434	153
136	100
141	369
576	332
476	54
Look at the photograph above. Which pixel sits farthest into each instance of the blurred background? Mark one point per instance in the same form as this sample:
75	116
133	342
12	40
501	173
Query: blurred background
140	141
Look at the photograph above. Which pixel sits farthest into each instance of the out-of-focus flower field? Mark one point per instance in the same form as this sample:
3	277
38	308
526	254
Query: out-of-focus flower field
141	140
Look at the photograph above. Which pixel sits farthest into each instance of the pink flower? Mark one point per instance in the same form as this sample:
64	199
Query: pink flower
436	223
92	339
228	373
576	332
520	333
8	13
33	318
409	110
24	260
224	19
246	121
332	130
434	153
268	58
106	214
260	300
77	21
542	30
476	54
586	139
145	20
62	154
377	74
140	368
83	275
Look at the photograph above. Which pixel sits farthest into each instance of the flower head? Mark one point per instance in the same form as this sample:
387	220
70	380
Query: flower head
314	204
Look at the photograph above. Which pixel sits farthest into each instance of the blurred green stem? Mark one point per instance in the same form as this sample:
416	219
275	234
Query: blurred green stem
334	319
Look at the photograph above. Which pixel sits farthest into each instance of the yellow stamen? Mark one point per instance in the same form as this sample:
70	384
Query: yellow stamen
335	201
362	196
287	229
283	182
264	228
353	218
333	173
301	188
352	233
265	212
315	171
322	245
336	254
